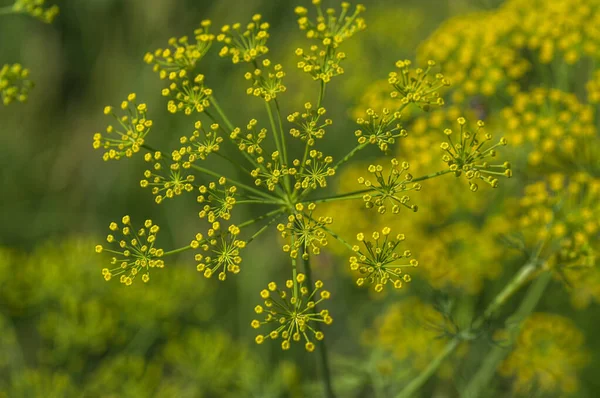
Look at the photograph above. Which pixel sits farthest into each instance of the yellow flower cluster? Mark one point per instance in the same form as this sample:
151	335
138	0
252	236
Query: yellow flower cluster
202	142
187	95
181	54
476	53
415	86
220	251
14	84
136	252
218	200
163	187
310	127
547	356
593	88
322	61
381	130
389	192
266	81
129	134
294	315
555	123
466	155
380	261
247	45
37	9
304	231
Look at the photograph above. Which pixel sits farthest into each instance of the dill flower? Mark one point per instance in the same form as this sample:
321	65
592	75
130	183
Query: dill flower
305	231
266	81
388	192
554	124
416	86
220	251
181	54
314	171
187	95
37	9
131	130
202	142
14	84
247	45
293	315
380	261
330	28
174	184
309	125
271	172
382	130
547	355
593	88
468	156
217	200
135	254
250	142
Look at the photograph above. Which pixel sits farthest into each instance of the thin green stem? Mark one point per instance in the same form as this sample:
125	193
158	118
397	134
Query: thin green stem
513	286
321	94
280	149
429	176
266	215
215	104
343	196
323	357
261	230
336	236
349	155
280	121
175	251
491	362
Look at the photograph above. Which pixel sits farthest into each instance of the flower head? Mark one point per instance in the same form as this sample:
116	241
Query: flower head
202	143
382	130
135	253
389	192
329	28
548	353
467	155
129	134
165	185
187	95
310	127
244	45
37	9
304	232
380	261
250	141
417	86
314	171
181	54
266	81
14	84
220	251
217	200
293	315
321	64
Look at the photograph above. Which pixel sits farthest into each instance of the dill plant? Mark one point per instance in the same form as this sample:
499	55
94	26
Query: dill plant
15	84
281	168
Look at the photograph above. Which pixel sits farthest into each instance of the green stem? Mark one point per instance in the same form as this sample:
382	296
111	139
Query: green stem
343	196
323	357
266	215
336	236
228	123
429	176
321	94
181	249
514	285
280	121
488	368
280	149
349	155
261	230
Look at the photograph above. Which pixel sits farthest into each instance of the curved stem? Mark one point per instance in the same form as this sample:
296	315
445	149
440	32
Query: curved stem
323	357
513	286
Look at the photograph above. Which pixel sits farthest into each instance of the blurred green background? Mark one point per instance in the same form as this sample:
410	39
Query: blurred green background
65	332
